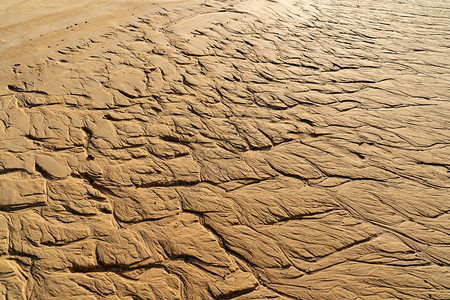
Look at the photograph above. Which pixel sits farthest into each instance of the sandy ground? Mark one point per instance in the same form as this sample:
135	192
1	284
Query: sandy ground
224	149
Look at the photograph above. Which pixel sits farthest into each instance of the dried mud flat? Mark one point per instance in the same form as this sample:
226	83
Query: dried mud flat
225	150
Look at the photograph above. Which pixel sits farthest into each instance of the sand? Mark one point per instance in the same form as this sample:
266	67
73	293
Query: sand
224	149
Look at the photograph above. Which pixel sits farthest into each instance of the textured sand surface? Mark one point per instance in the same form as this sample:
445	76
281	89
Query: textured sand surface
253	149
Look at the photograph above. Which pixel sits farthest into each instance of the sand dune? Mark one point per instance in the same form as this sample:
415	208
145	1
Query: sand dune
224	149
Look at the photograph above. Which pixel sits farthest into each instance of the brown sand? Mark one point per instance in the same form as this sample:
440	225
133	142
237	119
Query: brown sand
228	150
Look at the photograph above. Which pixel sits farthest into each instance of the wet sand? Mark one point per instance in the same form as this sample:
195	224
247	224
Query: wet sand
224	149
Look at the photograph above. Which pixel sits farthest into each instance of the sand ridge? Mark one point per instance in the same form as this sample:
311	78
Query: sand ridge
226	150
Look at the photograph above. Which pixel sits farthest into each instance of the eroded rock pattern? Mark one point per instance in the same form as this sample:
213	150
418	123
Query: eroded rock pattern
245	150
